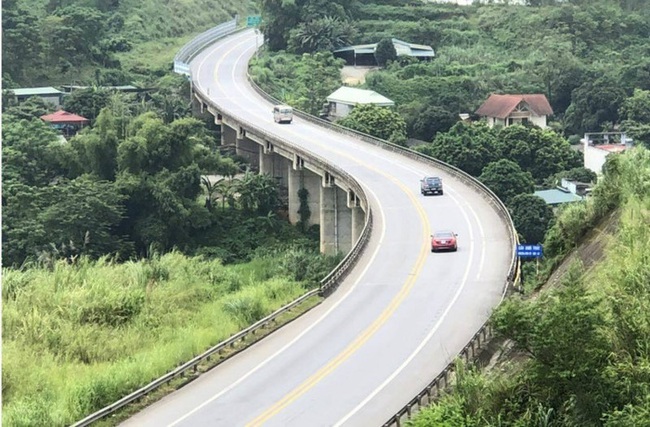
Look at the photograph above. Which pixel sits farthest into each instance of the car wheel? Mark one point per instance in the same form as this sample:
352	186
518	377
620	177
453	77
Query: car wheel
441	192
433	250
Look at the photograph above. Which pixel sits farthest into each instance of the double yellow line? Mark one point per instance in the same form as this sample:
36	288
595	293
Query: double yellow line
333	364
368	332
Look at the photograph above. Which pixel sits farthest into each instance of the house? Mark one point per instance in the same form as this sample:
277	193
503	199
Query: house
598	145
557	196
364	54
567	192
47	94
343	100
68	123
506	110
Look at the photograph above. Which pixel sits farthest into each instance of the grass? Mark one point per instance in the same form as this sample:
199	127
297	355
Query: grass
82	336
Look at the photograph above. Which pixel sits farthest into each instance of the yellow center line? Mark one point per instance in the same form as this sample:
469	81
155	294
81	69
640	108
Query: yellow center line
362	338
366	334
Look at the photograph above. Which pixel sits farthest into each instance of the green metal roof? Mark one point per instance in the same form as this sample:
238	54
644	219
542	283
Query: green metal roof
35	91
353	96
401	47
557	197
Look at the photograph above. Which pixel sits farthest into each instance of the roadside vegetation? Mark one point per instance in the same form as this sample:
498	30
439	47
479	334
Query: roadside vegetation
553	48
77	337
583	345
101	42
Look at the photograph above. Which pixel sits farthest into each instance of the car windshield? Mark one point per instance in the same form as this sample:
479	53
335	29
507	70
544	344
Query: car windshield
443	235
285	110
432	180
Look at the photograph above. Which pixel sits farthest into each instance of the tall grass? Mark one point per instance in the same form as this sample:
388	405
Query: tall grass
81	336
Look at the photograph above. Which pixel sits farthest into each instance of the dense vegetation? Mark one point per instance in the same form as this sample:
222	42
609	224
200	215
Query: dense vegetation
129	185
109	42
585	342
559	50
76	337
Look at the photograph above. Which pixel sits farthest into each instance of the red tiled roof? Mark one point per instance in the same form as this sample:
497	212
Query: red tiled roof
64	117
500	106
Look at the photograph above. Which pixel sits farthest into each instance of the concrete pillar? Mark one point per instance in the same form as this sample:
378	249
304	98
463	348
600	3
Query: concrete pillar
296	176
250	150
343	222
328	230
358	221
281	170
312	183
228	135
266	162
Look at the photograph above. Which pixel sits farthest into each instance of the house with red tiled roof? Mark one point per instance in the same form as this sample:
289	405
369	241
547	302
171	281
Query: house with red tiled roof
68	123
506	110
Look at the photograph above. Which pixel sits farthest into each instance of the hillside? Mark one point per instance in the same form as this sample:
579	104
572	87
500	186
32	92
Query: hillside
101	41
574	353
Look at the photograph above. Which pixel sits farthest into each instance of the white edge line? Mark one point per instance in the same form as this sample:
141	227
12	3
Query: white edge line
309	328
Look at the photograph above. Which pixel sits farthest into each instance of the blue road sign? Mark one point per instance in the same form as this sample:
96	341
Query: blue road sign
253	20
529	251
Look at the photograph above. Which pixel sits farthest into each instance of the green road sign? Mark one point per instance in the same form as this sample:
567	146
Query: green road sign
253	20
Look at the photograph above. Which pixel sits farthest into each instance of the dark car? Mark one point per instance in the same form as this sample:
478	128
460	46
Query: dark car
444	241
431	185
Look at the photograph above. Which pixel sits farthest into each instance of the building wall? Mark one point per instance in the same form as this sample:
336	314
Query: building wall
536	120
595	158
340	110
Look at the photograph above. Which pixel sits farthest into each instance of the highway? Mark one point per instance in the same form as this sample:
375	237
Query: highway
397	320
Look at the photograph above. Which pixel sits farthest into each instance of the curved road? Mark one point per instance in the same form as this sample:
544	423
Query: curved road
397	320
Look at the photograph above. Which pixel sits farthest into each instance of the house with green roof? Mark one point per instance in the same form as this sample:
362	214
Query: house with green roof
364	54
47	94
344	99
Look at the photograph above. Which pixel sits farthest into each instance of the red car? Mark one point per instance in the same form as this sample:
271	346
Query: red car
444	240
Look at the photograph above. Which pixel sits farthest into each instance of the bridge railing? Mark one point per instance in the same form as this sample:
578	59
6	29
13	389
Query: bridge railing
482	338
249	335
200	42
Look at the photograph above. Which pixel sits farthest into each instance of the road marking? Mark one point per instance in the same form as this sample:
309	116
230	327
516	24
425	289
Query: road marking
422	344
374	327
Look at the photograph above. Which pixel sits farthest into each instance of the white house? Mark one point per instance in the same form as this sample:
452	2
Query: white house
343	100
598	145
506	110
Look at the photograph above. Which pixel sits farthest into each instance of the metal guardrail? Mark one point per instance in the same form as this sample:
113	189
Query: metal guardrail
484	335
327	286
198	43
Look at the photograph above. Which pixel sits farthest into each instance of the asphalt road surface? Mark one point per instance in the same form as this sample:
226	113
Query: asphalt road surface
397	320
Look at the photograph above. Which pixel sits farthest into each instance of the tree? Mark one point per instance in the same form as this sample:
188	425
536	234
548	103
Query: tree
431	121
72	218
385	52
21	40
531	216
506	179
381	122
318	75
594	103
580	174
635	116
28	152
258	193
469	147
87	102
322	34
538	151
562	332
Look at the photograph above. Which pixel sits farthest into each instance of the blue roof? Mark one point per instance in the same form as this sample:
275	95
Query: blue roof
557	197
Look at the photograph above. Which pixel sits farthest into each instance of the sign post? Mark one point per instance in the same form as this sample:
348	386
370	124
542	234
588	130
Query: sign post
253	20
531	251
